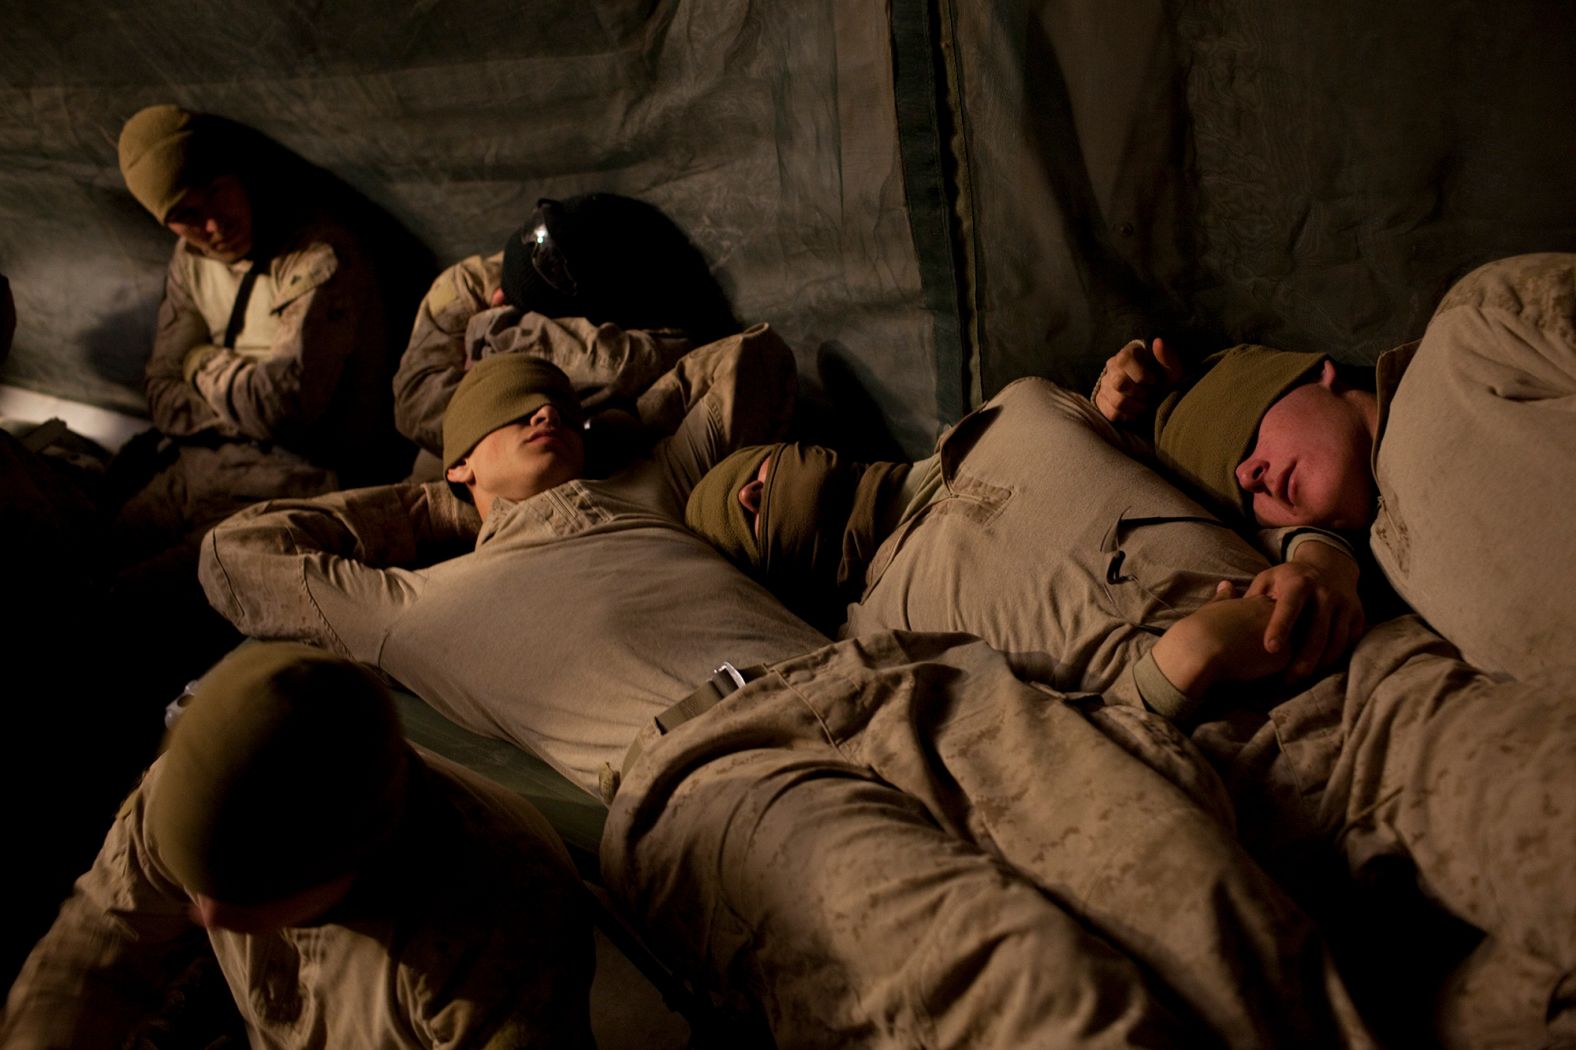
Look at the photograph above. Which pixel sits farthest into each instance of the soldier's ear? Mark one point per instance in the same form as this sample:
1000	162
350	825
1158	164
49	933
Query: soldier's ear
461	473
1328	376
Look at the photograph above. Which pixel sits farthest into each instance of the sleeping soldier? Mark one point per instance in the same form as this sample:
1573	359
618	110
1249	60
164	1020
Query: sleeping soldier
354	892
595	276
1042	534
1460	466
894	841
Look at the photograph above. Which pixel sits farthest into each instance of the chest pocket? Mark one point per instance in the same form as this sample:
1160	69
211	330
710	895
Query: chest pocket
1160	568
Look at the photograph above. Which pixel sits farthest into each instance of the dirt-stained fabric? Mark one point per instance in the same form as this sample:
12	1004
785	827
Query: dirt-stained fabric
471	931
1099	544
1411	753
895	842
1476	467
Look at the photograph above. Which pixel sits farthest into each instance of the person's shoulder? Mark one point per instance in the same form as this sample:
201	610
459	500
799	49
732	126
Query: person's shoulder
478	273
316	238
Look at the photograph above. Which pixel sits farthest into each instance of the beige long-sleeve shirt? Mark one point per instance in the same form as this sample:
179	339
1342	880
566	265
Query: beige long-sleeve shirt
579	615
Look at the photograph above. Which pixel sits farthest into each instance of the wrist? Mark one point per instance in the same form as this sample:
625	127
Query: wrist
1185	660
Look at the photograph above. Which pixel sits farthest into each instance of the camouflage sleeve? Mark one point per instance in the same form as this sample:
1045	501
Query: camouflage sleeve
336	570
735	392
608	365
434	361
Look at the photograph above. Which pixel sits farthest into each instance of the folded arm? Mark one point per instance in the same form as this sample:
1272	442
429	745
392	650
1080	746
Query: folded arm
324	298
1318	612
334	570
174	403
1222	642
735	392
434	361
608	365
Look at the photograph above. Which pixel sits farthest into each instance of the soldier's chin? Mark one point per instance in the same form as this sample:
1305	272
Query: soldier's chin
228	252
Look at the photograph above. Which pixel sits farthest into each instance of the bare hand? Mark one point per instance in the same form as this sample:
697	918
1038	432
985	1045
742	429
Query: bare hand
1315	594
1222	642
1135	379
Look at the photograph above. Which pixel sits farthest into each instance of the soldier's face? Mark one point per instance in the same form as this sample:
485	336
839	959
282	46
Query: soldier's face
1309	462
216	219
521	459
298	909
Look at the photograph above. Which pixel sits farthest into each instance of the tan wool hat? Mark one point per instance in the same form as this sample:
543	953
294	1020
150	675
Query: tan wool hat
286	771
498	391
164	154
1204	431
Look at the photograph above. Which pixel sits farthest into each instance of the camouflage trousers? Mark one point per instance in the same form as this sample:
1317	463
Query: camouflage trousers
894	841
1411	755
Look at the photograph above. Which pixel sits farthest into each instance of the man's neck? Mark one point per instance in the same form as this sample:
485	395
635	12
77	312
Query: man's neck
1366	404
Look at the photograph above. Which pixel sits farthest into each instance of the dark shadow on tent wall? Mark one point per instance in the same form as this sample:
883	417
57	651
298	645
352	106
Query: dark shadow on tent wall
1310	175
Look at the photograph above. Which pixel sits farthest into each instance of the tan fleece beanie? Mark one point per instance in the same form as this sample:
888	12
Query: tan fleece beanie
164	154
286	771
498	391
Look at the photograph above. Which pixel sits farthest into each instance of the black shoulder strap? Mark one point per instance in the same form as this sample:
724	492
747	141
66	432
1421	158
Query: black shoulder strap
243	295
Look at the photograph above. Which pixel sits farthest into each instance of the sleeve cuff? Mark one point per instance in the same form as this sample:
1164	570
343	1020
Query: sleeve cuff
1158	694
1305	535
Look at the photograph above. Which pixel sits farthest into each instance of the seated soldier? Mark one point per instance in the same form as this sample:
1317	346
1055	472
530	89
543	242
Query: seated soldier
1459	466
1043	535
271	362
595	277
853	881
354	892
269	371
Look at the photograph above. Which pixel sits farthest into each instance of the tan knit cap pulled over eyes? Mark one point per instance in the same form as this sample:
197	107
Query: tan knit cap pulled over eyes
498	391
286	771
715	513
164	156
1204	431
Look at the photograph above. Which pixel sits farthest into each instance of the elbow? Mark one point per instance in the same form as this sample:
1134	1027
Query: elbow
215	580
765	359
406	420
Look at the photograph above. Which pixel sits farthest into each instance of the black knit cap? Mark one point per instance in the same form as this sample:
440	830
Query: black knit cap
610	258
